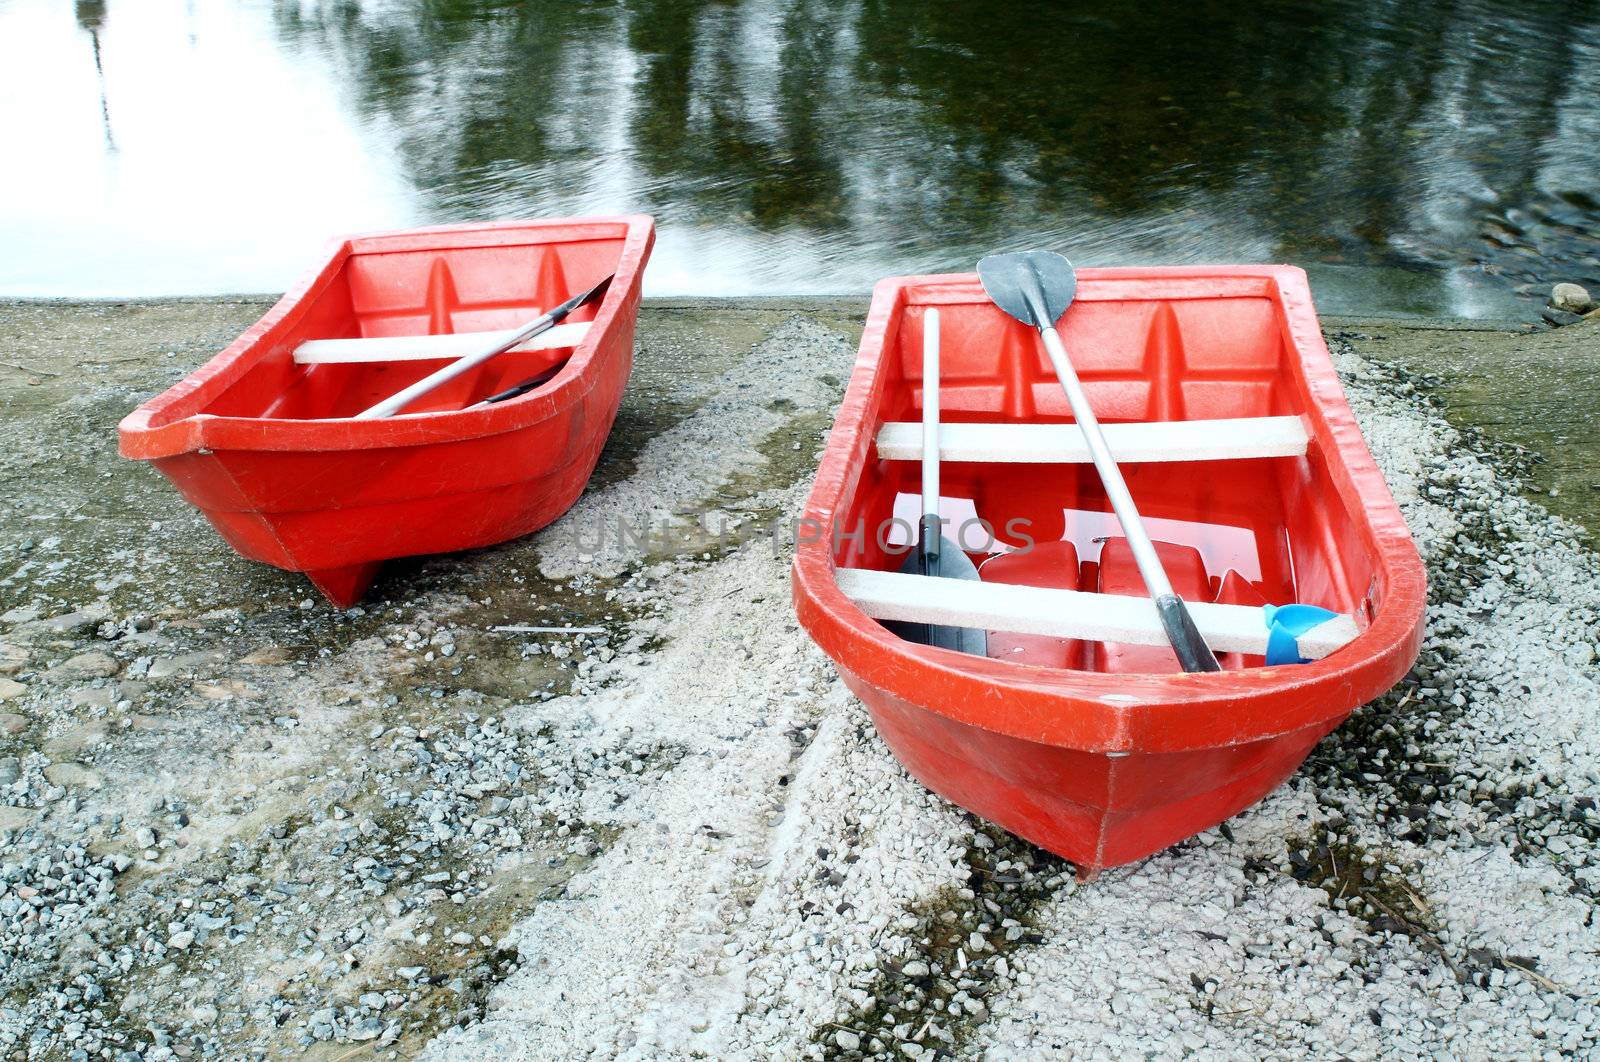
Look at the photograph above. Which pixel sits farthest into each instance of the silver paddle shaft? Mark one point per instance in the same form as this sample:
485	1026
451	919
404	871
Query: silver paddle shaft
930	427
1144	551
401	399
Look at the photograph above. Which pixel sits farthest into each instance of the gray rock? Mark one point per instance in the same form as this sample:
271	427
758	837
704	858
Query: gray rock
1573	298
73	774
93	664
10	688
1559	317
168	666
12	658
370	1029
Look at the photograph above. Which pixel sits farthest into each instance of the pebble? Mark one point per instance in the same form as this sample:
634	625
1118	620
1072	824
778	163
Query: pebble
10	688
1571	298
93	664
73	774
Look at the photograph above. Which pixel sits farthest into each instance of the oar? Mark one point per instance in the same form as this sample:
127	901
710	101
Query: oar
543	323
1036	287
936	556
525	386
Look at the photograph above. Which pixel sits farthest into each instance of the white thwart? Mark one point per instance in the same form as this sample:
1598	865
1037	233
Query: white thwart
1068	613
1236	438
429	348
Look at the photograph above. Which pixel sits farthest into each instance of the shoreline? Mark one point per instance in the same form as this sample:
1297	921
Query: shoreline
753	302
1486	365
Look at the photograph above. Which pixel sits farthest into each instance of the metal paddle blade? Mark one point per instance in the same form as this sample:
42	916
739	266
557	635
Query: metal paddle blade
951	563
1010	280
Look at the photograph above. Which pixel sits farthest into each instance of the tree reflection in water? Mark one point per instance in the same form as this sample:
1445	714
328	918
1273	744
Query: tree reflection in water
1433	138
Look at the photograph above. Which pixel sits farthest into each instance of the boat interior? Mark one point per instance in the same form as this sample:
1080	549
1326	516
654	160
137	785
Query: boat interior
1232	527
379	294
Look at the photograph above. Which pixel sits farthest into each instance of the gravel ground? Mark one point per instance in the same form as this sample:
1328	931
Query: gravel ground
238	825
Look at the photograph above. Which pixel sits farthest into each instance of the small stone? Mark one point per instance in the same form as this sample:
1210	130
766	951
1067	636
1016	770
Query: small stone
460	938
70	622
370	1029
915	968
847	1040
94	697
272	654
72	774
1573	298
10	769
12	723
12	658
93	664
180	940
10	688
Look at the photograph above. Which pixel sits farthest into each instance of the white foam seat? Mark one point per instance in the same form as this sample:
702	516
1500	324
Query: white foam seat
428	348
1068	613
1174	440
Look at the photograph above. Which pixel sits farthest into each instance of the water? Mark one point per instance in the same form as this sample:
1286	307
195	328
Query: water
1430	157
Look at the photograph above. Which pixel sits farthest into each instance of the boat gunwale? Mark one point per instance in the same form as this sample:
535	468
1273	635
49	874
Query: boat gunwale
161	427
1094	711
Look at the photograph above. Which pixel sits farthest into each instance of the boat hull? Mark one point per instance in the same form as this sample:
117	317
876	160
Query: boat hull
334	497
1095	809
1119	755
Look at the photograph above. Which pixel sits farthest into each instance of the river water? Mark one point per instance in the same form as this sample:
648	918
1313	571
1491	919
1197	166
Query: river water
1415	157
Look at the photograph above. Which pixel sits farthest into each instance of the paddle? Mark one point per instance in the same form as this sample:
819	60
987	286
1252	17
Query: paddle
543	323
1036	287
525	386
935	555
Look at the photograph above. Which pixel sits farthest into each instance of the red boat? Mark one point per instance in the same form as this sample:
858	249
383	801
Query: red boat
264	438
1077	730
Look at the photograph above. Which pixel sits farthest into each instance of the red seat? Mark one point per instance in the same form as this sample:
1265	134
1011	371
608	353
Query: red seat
1048	564
1119	574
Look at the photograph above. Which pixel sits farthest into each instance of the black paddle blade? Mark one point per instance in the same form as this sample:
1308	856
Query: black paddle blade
1023	280
951	563
526	385
557	314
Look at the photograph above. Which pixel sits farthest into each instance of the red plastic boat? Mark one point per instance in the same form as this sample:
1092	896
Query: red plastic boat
263	440
1077	730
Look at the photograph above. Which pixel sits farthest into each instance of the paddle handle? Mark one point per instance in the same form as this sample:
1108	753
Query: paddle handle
1191	648
930	436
